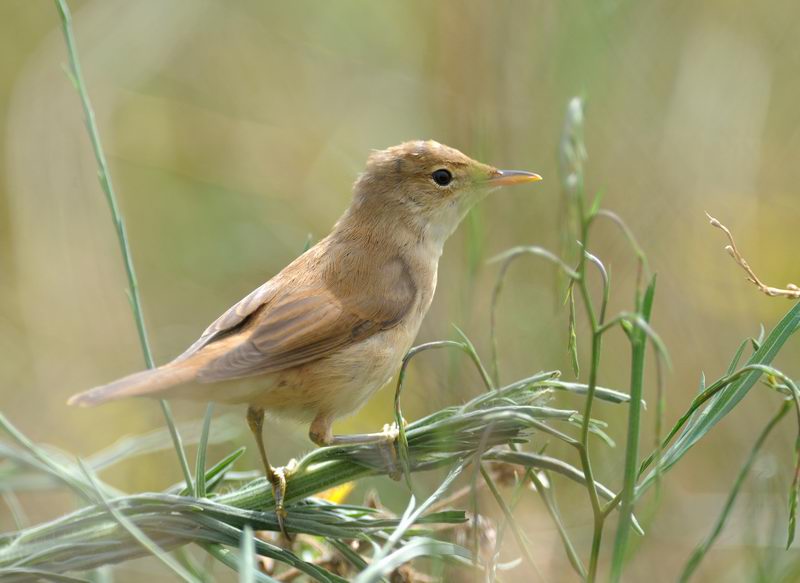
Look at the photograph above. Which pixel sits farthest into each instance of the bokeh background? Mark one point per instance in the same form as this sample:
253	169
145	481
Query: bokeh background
235	130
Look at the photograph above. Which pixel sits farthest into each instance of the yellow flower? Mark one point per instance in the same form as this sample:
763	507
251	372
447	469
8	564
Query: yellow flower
337	494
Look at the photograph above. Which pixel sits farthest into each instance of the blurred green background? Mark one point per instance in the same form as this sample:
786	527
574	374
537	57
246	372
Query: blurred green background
235	130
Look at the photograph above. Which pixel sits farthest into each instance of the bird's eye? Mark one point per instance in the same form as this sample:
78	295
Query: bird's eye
442	177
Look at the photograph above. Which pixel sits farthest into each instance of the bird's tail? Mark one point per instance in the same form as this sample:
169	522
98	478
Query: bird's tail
139	384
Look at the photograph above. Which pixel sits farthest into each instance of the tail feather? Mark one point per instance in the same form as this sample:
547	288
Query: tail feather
137	384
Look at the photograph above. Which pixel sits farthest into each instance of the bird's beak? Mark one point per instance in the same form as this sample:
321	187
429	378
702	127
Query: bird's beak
507	177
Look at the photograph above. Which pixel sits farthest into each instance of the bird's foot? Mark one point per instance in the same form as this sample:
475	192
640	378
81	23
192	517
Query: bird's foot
277	477
392	432
385	441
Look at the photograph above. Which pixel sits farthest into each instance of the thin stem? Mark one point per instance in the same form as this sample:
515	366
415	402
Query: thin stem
135	532
546	493
641	257
15	508
402	439
469	348
791	291
104	175
659	422
507	258
492	385
604	275
518	534
628	494
599	517
228	558
703	548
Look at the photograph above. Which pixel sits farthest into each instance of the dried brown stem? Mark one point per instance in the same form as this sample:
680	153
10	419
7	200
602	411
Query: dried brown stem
791	291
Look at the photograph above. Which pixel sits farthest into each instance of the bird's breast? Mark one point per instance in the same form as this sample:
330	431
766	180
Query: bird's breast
341	383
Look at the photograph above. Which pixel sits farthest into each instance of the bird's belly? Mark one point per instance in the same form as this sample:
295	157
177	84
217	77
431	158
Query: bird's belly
333	386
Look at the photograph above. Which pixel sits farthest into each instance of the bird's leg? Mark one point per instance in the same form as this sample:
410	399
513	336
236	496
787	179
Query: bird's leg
321	433
276	476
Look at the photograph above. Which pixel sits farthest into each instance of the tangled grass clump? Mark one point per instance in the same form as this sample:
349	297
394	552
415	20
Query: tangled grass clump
114	527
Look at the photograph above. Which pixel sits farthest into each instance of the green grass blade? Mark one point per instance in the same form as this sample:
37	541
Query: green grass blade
522	541
544	462
469	348
247	557
136	532
226	428
572	343
730	396
216	474
737	356
412	549
601	393
629	237
630	472
91	537
402	439
15	508
202	447
349	554
380	560
507	259
56	469
700	552
229	559
104	175
546	491
794	493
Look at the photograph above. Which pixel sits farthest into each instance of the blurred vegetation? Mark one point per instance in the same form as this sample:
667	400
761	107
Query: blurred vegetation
235	129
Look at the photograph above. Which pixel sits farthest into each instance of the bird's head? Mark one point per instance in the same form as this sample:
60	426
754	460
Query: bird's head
427	185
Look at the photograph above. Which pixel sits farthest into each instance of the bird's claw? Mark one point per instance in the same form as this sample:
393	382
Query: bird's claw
278	481
392	432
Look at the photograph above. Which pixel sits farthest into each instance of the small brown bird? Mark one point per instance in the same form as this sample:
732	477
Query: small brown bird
319	338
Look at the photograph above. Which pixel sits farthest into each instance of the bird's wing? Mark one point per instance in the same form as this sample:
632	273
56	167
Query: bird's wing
301	324
232	319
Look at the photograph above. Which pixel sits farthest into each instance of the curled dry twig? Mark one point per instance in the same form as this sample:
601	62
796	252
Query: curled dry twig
791	291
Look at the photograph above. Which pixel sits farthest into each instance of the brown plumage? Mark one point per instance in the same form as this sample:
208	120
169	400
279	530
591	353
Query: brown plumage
320	337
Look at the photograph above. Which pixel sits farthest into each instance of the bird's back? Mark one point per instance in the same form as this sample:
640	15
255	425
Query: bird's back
329	300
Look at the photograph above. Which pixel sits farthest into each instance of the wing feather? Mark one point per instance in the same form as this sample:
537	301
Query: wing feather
300	324
234	317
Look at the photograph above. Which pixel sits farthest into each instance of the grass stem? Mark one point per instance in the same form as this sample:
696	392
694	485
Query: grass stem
104	175
638	339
